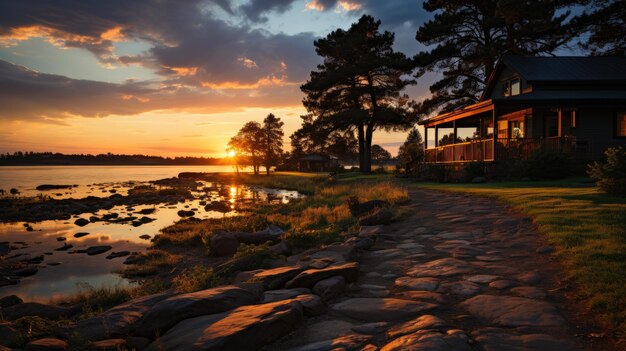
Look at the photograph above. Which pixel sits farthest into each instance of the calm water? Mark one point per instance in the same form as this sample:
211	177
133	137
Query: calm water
62	272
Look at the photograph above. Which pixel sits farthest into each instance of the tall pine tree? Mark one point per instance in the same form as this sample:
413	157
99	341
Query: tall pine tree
272	143
359	84
465	39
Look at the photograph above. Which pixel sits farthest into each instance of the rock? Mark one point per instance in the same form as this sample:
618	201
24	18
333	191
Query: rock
463	288
283	294
330	288
4	280
94	219
427	296
494	339
5	248
110	216
145	219
312	305
443	267
144	237
371	328
165	314
25	272
344	342
47	344
530	278
380	217
146	211
503	284
510	311
183	213
452	340
282	248
61	238
219	206
65	247
271	233
118	254
81	222
307	279
530	292
10	300
425	322
80	234
28	309
223	244
244	328
276	277
364	244
429	284
482	278
96	250
380	309
117	321
109	345
52	186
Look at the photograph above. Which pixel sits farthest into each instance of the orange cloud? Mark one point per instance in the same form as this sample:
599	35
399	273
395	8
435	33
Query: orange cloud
113	34
247	62
263	82
315	5
184	71
347	5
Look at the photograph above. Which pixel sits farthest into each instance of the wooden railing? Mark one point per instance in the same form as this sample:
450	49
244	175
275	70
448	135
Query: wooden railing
506	149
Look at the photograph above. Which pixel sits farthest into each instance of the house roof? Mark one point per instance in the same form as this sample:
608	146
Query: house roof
568	68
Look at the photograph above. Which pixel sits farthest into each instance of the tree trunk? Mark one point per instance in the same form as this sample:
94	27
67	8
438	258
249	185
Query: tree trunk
368	149
361	147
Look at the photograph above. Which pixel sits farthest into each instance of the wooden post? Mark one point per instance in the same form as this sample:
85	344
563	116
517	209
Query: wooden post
495	131
436	136
454	140
425	138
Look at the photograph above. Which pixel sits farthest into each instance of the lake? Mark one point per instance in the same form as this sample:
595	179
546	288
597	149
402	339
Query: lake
62	272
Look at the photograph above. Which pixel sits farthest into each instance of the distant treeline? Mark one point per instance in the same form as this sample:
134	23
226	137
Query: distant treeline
50	158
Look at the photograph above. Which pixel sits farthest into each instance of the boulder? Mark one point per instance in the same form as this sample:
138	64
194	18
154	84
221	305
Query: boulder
330	288
117	321
425	322
184	213
277	277
380	217
283	294
508	311
144	237
28	309
81	222
495	339
80	234
381	309
429	284
307	279
5	248
443	267
455	340
10	300
165	314
9	335
244	328
25	272
344	342
47	344
118	254
223	244
312	305
96	250
137	343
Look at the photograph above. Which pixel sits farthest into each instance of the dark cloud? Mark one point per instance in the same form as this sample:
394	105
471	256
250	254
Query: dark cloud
255	10
30	95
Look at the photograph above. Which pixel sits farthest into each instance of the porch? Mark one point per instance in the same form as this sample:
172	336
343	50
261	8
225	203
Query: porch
505	149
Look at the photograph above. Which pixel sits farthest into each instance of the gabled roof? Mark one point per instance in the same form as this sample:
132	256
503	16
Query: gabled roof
569	68
561	69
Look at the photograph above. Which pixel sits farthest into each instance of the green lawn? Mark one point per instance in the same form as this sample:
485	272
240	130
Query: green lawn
588	229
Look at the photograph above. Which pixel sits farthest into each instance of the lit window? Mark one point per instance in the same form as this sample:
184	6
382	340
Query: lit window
621	124
573	119
511	87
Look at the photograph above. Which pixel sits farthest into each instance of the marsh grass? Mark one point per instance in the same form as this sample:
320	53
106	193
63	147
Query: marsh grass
197	278
588	229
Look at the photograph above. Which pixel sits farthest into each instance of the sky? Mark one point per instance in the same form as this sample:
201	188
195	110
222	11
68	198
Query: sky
169	77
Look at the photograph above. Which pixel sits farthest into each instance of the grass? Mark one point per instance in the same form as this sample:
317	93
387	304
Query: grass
195	279
588	229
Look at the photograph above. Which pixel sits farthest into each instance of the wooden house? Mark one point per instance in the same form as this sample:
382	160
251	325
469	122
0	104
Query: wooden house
318	162
575	105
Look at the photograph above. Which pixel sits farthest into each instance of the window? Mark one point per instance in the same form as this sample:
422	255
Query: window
620	124
517	129
511	87
503	129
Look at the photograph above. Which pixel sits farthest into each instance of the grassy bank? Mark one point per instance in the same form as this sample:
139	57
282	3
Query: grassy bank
587	228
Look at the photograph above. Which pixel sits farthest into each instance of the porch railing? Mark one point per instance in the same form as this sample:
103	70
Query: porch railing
482	150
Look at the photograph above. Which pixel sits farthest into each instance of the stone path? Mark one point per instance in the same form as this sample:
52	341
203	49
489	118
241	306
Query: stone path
460	273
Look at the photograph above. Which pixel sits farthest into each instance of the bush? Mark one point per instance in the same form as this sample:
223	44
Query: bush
546	164
473	170
438	173
195	279
611	175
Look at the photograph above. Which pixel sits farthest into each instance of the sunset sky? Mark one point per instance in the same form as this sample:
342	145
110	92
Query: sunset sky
165	77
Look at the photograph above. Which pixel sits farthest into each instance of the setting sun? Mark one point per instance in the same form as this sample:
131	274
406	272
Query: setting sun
231	153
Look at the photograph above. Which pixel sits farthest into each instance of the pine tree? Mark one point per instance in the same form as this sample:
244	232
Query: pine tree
411	153
468	37
605	21
359	84
272	141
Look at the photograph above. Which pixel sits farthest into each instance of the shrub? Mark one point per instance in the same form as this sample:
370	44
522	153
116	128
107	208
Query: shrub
546	164
195	279
473	170
306	239
611	175
437	173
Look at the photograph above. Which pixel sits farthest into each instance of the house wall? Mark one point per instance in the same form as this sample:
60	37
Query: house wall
506	74
597	128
